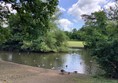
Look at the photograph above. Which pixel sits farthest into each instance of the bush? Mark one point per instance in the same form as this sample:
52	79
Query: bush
106	54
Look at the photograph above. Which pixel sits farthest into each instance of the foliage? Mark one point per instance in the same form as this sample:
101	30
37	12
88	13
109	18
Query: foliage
32	27
100	34
54	40
4	34
74	34
106	55
4	31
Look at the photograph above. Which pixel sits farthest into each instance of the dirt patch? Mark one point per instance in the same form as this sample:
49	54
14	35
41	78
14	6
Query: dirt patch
17	73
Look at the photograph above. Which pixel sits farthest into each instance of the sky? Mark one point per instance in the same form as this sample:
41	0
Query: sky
73	9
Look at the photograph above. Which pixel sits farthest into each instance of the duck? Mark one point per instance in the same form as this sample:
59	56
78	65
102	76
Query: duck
62	71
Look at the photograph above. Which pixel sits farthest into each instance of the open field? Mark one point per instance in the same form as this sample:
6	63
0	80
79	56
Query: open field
75	44
17	73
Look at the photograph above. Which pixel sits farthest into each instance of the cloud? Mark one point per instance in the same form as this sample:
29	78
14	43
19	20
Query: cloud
65	24
8	7
61	9
110	4
85	7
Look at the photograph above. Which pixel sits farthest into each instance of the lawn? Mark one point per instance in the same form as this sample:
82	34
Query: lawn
94	80
76	44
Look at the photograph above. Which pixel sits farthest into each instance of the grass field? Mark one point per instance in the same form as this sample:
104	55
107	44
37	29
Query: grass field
76	44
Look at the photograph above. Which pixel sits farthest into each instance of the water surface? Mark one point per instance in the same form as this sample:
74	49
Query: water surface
78	60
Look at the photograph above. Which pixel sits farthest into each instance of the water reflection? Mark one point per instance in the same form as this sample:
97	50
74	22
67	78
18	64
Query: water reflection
74	61
10	57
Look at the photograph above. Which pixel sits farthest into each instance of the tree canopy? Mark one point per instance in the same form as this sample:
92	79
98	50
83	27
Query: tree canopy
31	27
100	34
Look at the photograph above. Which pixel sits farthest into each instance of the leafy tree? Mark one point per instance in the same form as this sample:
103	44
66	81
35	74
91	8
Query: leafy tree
74	34
4	31
94	29
101	35
54	40
33	28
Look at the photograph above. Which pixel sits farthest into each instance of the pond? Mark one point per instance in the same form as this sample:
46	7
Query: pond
76	60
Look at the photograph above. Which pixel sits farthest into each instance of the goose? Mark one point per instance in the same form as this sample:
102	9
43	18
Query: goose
75	71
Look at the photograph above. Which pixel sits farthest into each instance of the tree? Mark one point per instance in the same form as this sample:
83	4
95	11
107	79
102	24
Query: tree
4	31
74	34
33	28
94	28
100	33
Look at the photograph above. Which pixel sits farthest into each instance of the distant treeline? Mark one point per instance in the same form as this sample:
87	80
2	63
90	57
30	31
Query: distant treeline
74	34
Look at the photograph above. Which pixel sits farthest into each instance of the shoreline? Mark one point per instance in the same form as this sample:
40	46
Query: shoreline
19	73
77	47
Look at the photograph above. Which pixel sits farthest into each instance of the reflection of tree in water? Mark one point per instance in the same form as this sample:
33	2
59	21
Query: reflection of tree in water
45	60
89	61
52	60
6	56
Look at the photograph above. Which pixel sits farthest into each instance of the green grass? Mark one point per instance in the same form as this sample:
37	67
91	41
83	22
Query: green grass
94	80
75	44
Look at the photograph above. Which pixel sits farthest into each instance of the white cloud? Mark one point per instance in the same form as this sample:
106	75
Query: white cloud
65	24
61	9
8	7
110	4
85	7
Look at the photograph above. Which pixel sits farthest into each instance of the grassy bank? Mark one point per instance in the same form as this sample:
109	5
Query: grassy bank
75	44
94	80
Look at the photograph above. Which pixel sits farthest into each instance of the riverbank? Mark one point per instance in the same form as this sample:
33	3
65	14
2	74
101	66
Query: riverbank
17	73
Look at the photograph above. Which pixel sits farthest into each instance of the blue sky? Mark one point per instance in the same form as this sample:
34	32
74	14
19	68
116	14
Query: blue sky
73	9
